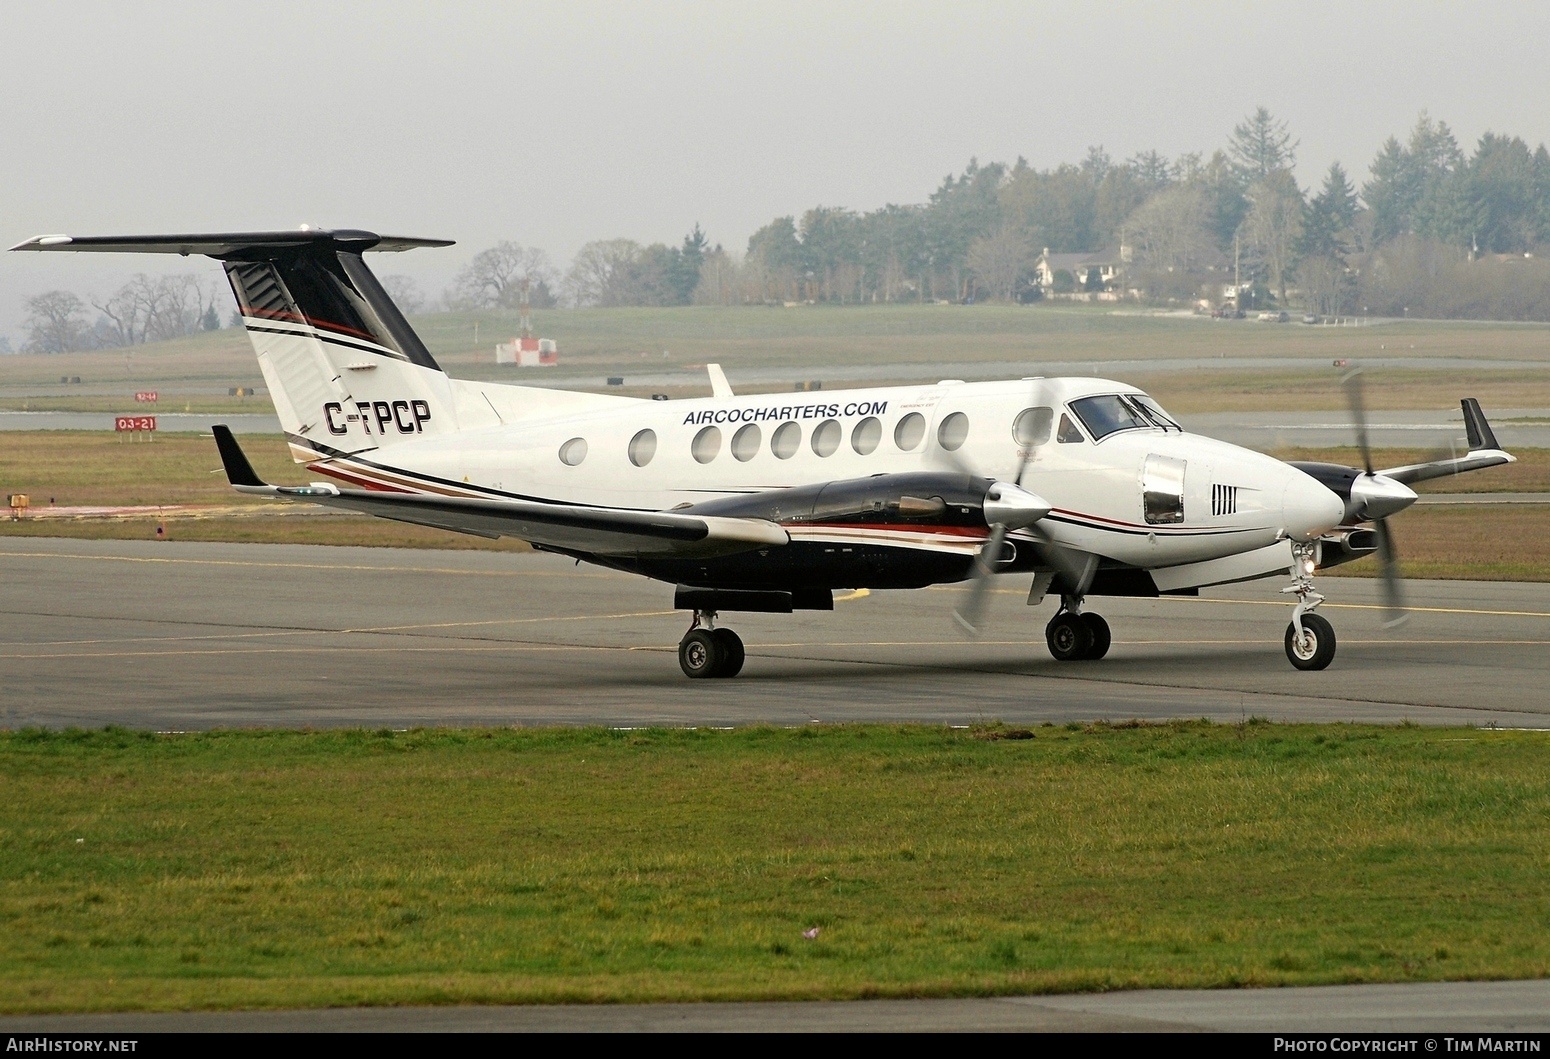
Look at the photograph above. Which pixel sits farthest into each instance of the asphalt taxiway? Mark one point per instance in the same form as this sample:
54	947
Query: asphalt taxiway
182	636
1430	1008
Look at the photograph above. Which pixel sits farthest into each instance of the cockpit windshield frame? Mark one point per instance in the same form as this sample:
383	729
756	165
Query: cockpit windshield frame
1111	413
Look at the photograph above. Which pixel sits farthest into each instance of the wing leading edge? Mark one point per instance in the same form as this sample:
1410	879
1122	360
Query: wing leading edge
568	527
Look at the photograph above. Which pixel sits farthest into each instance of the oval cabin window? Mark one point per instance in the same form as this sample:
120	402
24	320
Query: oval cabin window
826	439
911	429
1032	426
707	443
745	443
785	441
643	446
573	452
867	434
953	432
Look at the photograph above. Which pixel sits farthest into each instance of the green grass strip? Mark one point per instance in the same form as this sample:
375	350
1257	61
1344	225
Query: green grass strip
267	869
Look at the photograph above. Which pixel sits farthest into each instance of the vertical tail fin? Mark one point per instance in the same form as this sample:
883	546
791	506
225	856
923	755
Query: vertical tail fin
346	371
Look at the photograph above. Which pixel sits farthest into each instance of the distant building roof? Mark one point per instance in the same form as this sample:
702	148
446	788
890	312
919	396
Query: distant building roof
1085	259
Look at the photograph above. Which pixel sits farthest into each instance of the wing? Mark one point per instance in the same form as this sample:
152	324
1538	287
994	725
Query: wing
1483	452
568	527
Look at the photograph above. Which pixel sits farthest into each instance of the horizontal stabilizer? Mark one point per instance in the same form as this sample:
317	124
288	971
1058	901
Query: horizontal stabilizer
229	246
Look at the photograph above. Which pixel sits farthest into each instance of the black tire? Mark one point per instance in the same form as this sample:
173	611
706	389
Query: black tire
1101	636
1068	637
1320	652
699	654
731	652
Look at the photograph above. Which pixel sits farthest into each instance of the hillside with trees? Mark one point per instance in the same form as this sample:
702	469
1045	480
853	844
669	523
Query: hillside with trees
1432	230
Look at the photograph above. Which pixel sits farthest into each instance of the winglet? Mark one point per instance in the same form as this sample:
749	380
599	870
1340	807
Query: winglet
239	472
1479	431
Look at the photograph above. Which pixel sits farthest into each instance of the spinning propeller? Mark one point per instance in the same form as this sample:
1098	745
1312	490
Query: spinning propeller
1374	497
1008	506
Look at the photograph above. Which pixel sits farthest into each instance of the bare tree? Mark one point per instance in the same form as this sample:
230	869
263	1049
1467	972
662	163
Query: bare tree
177	305
405	293
604	272
55	322
721	279
154	308
495	277
999	261
1171	231
1324	284
1274	225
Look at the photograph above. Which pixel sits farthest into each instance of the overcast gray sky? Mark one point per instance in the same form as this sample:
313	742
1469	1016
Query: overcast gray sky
557	123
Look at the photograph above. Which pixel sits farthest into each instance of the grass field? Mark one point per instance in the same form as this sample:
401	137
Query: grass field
825	342
284	869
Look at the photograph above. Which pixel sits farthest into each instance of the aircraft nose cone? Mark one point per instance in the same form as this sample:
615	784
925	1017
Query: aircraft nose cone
1013	506
1309	509
1375	496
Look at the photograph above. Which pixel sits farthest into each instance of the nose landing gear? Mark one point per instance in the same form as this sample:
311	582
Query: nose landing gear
706	651
1310	639
1073	636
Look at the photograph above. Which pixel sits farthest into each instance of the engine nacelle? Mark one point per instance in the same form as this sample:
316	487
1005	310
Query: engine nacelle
923	498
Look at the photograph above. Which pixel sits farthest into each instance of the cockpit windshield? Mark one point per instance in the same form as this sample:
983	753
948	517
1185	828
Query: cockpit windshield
1155	412
1111	413
1105	415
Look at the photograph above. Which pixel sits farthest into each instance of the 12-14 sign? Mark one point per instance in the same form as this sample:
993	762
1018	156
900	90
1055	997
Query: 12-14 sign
134	423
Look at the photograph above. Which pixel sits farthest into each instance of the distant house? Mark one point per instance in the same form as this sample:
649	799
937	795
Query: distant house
1107	264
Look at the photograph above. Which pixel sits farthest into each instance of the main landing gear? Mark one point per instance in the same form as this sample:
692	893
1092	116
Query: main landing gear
706	651
1076	637
1310	640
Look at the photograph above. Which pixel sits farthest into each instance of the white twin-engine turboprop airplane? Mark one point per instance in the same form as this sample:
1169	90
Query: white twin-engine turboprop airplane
771	502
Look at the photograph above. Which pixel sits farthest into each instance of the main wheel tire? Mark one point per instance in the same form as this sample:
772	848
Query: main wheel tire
1101	636
732	653
1315	651
1068	637
700	654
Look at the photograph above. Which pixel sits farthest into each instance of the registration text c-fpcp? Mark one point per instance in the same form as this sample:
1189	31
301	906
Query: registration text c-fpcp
378	417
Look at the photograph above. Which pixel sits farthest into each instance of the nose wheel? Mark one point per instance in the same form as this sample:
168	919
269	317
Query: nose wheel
1076	637
1310	639
709	652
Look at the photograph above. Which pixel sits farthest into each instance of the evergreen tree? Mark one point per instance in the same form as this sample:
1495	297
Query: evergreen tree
684	274
1411	187
1259	146
1328	218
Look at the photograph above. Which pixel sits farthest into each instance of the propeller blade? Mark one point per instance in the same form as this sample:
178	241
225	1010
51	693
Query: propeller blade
1353	389
1059	559
1388	569
971	605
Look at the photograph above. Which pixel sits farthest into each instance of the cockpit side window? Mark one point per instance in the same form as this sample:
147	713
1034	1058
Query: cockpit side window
1107	414
1068	433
